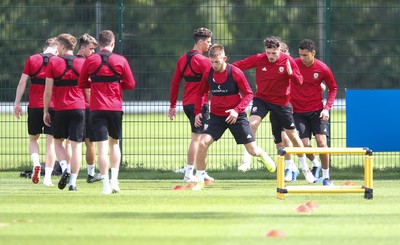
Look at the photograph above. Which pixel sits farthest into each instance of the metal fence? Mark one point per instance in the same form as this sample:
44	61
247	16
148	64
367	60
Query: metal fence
357	39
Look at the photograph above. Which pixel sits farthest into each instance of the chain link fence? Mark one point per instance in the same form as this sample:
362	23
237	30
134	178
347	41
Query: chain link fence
351	37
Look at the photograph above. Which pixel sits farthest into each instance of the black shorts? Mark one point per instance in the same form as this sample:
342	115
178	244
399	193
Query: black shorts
104	124
69	124
283	114
35	121
276	127
310	122
241	130
189	111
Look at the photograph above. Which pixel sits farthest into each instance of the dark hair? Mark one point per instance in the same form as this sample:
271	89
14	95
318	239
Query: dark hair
307	44
67	40
201	33
51	42
86	39
105	38
272	42
284	48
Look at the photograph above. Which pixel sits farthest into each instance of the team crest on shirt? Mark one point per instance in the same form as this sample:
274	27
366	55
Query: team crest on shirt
281	69
316	75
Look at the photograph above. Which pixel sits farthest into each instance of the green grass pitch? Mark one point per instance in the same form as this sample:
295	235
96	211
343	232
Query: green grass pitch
232	211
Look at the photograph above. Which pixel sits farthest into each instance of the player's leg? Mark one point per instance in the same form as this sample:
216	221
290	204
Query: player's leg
320	129
114	131
62	155
291	170
191	158
205	142
258	111
115	160
50	159
316	165
99	135
76	159
321	142
90	157
50	152
90	154
34	152
294	137
255	122
102	160
243	134
35	126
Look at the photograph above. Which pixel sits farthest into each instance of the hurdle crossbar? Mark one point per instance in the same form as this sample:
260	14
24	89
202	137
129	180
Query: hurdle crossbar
367	188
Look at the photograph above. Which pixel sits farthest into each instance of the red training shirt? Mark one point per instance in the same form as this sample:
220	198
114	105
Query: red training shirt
219	104
66	96
199	64
308	97
36	91
272	80
106	96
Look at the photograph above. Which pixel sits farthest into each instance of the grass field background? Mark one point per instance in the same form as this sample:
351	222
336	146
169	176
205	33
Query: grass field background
240	208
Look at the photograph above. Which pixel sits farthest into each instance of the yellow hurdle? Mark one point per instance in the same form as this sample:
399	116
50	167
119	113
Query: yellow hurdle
367	188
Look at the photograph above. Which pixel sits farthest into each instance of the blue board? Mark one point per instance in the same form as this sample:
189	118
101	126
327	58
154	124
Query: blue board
372	119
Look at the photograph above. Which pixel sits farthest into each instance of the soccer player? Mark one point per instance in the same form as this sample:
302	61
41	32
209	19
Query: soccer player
87	47
275	71
282	140
191	66
107	74
310	114
69	108
35	69
226	84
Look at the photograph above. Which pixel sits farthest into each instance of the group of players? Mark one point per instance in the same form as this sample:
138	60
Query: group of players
76	98
290	89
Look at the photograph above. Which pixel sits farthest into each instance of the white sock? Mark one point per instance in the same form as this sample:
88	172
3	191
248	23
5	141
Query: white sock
246	157
200	175
90	169
294	167
105	180
35	159
289	164
114	174
63	164
325	173
47	174
316	163
303	162
72	179
69	167
189	171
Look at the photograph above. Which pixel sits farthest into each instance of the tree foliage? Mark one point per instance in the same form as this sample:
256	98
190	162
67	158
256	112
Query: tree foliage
361	41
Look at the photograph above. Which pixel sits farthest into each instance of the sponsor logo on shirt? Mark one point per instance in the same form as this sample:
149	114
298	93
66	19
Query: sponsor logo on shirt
264	69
